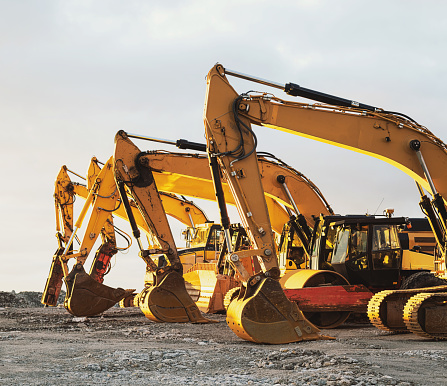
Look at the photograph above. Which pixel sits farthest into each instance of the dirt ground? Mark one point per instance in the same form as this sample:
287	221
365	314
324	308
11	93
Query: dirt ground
48	346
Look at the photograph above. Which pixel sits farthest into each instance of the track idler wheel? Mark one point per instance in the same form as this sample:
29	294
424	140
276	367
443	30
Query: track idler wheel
168	300
425	314
263	314
87	297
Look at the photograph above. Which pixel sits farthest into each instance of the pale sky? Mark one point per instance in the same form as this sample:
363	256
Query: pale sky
73	73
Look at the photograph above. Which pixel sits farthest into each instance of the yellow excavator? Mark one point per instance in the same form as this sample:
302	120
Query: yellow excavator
390	136
102	195
90	296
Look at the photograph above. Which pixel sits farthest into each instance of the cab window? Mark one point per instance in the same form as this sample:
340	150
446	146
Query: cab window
214	239
358	248
386	247
341	246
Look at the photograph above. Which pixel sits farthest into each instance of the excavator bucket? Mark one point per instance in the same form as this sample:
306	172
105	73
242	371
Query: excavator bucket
168	301
208	288
54	281
263	314
87	297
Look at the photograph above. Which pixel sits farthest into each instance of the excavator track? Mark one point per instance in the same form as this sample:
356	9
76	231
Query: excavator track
385	309
375	310
425	315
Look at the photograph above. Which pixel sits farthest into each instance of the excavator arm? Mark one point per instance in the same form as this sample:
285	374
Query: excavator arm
167	300
261	313
383	135
63	202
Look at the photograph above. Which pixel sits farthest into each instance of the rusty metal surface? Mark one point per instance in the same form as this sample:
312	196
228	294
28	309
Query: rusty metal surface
54	281
87	297
331	298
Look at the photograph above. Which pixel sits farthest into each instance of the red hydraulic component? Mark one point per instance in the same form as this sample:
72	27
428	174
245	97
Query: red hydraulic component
353	298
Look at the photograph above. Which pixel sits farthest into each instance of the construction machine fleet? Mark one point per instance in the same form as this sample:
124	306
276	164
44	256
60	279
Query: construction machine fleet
327	307
177	172
136	164
359	255
86	295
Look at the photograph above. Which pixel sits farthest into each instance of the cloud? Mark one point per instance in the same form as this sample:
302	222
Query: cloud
75	72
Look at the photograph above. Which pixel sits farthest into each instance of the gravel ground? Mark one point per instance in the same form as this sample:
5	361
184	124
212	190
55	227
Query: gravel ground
48	346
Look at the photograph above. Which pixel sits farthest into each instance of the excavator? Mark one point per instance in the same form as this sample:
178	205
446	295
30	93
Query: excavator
390	136
102	195
90	296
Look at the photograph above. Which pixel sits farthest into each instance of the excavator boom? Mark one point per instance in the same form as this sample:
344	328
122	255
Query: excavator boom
189	175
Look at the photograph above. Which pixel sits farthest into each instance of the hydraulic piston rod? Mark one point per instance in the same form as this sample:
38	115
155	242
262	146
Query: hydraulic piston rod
416	146
296	90
282	180
180	143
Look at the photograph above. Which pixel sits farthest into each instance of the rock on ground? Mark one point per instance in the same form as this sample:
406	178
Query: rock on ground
46	346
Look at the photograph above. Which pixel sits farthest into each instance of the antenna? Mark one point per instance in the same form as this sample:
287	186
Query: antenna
379	206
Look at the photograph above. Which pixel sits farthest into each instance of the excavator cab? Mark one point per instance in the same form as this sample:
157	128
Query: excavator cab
204	235
291	250
203	243
364	249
